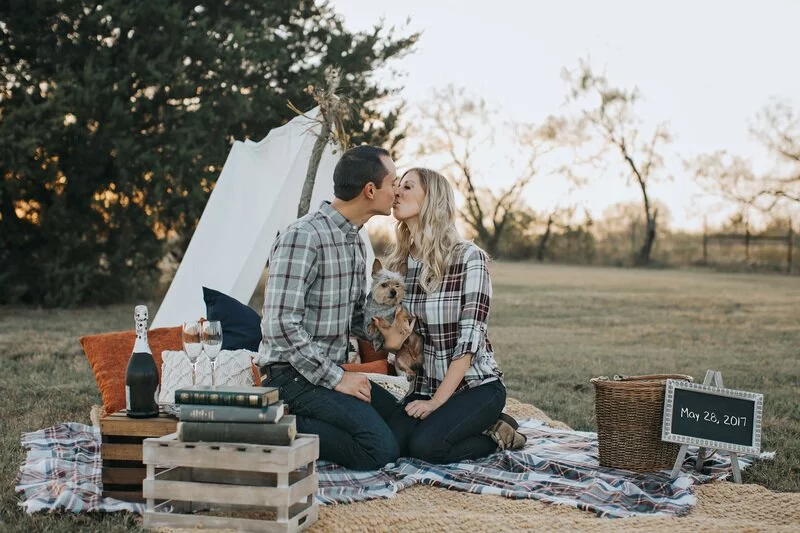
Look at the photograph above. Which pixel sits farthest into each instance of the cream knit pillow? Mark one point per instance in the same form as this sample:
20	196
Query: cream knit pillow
233	368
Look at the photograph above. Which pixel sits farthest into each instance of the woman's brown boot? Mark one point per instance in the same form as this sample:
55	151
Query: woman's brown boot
504	433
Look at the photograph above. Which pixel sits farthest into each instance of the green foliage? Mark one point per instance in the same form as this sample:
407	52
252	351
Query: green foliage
519	238
116	119
573	245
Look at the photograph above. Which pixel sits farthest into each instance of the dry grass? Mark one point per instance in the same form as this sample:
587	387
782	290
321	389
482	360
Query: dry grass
553	327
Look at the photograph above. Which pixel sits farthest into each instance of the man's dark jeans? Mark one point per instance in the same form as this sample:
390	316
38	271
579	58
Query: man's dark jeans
453	431
351	432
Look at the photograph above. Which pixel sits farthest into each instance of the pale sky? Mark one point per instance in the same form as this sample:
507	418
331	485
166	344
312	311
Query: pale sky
706	67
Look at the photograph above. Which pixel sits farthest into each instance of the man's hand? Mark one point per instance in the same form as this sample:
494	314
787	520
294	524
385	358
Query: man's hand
422	408
356	385
396	333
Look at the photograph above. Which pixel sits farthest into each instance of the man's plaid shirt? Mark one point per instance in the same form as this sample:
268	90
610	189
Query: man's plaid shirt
315	296
453	319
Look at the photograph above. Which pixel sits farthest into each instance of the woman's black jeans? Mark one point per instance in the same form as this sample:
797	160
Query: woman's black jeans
453	431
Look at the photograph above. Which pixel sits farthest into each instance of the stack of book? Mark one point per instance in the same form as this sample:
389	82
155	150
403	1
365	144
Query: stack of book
249	415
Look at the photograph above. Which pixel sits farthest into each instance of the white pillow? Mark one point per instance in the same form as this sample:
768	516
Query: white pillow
398	386
233	368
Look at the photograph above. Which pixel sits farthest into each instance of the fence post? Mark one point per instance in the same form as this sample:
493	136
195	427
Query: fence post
747	244
789	240
705	242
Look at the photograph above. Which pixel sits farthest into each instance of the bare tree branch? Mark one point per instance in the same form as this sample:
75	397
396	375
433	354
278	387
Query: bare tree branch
459	127
608	116
777	128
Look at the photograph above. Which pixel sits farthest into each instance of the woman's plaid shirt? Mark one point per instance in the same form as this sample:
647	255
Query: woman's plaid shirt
315	294
453	319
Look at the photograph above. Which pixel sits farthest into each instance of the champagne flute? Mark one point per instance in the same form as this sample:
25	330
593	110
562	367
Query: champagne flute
212	344
192	345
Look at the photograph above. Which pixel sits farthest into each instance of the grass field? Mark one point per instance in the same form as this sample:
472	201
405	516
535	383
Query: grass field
553	327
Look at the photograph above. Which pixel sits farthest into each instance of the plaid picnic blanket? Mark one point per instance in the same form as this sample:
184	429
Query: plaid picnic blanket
63	471
556	466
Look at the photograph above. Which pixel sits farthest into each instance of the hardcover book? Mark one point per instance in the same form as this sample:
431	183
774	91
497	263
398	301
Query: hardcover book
240	396
281	433
227	413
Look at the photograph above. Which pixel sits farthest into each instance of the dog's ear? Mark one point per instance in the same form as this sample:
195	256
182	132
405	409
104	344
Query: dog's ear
376	267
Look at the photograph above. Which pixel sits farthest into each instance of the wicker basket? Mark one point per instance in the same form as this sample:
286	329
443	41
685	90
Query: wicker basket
629	413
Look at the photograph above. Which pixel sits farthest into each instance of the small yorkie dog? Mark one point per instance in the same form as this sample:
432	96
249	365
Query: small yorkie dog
385	305
384	310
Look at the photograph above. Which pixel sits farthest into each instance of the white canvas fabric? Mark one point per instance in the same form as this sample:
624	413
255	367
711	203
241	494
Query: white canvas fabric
256	196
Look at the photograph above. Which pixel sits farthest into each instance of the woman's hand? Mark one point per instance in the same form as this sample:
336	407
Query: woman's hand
422	408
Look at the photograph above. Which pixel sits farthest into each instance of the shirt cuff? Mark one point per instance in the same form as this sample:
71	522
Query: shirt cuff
470	341
332	376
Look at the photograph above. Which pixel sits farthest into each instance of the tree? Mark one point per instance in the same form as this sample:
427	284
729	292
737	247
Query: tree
558	218
619	231
608	119
116	119
459	128
777	129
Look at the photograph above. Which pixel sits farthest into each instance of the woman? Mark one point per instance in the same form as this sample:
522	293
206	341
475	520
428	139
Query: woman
454	409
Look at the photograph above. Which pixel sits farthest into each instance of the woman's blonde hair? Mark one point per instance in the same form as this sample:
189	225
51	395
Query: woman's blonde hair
436	236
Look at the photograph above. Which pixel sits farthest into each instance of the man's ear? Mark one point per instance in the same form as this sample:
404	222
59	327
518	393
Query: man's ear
369	190
376	267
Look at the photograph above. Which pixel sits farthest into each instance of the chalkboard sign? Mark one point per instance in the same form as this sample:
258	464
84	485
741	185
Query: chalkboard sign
712	417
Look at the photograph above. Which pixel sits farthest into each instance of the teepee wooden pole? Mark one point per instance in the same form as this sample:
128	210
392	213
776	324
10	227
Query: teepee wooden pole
313	164
333	110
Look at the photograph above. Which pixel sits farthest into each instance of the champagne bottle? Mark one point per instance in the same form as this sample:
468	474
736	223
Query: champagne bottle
141	377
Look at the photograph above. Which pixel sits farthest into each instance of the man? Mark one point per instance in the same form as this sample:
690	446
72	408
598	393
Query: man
314	301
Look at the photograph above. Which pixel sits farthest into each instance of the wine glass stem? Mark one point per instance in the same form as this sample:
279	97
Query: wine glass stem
213	373
194	373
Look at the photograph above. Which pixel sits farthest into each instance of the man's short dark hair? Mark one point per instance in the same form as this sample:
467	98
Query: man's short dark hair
357	167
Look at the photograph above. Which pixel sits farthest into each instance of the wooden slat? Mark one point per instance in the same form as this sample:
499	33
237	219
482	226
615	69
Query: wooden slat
116	463
230	477
230	494
122	439
124	476
154	519
168	451
120	424
127	452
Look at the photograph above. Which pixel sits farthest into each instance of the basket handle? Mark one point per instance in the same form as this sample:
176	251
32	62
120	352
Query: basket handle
652	377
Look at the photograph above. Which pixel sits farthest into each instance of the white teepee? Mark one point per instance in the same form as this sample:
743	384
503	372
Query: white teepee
255	197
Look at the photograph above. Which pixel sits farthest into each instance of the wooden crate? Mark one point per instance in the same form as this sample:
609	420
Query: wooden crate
246	487
121	451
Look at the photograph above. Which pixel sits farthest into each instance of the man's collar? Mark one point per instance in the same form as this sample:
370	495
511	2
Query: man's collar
347	227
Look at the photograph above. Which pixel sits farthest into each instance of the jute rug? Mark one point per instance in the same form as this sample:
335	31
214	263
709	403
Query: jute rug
722	506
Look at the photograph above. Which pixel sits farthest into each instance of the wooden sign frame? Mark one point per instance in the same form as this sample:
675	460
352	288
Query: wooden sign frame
716	389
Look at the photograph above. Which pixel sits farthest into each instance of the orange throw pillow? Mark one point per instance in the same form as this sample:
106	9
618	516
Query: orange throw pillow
369	356
108	354
368	353
375	367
